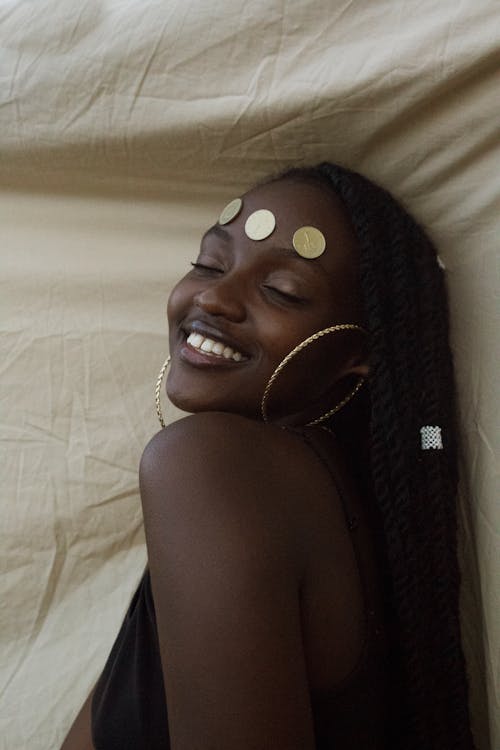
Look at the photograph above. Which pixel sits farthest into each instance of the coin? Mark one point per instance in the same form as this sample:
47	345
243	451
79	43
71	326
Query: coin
309	242
231	211
260	224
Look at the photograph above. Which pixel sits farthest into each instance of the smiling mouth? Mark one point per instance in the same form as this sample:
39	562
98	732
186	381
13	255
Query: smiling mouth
214	348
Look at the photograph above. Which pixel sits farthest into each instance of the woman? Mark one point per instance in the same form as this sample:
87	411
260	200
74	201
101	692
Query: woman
302	582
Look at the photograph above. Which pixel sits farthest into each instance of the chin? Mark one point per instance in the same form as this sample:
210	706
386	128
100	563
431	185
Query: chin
194	404
185	401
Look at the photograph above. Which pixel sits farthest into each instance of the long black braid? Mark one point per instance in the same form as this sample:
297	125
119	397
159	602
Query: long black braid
411	384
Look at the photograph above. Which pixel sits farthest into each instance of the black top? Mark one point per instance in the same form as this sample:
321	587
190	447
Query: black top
129	709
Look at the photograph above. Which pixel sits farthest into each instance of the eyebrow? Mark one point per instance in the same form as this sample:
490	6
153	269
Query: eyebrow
286	252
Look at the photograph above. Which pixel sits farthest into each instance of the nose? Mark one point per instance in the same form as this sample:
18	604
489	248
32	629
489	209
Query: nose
222	297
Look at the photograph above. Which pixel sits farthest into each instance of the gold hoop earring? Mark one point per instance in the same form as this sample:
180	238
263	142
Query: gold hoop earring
158	388
299	348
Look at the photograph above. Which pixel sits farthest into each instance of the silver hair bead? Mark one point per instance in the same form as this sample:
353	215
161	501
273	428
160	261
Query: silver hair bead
431	437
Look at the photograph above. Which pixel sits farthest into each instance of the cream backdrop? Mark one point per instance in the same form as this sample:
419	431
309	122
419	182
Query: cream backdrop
124	128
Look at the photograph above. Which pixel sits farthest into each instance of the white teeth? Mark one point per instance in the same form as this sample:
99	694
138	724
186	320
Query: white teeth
209	346
195	340
206	345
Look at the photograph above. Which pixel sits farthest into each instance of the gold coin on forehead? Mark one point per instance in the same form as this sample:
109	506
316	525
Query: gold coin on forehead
309	242
231	211
260	224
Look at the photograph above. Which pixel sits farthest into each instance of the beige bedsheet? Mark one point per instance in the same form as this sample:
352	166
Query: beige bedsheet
124	128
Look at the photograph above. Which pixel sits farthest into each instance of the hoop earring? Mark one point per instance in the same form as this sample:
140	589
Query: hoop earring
158	388
299	348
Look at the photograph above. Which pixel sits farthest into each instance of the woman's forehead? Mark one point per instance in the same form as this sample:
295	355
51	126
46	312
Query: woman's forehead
294	205
297	204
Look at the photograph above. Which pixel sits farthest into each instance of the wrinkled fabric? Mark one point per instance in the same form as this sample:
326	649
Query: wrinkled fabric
124	129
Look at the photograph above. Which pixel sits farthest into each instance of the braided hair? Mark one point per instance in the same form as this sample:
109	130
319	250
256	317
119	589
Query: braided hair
411	384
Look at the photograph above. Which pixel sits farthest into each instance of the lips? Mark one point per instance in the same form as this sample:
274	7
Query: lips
207	344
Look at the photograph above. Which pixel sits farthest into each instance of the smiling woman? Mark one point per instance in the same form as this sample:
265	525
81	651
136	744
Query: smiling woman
261	298
302	583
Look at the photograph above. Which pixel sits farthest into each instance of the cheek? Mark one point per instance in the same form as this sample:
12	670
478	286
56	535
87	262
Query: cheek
283	336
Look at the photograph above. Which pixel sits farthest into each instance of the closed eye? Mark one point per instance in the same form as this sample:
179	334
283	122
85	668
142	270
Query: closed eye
285	295
203	267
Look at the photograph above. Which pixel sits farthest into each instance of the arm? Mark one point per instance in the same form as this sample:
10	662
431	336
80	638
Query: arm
79	736
226	586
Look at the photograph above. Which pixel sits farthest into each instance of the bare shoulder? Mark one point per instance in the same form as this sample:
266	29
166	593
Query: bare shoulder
236	472
199	447
216	434
226	563
251	568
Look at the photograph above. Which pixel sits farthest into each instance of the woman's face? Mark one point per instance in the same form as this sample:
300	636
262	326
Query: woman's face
260	299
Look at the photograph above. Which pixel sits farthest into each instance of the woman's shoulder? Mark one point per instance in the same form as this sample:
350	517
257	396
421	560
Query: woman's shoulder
219	484
238	473
212	438
226	513
217	422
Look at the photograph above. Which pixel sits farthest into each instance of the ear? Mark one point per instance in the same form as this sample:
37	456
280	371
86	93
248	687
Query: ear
355	365
361	370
